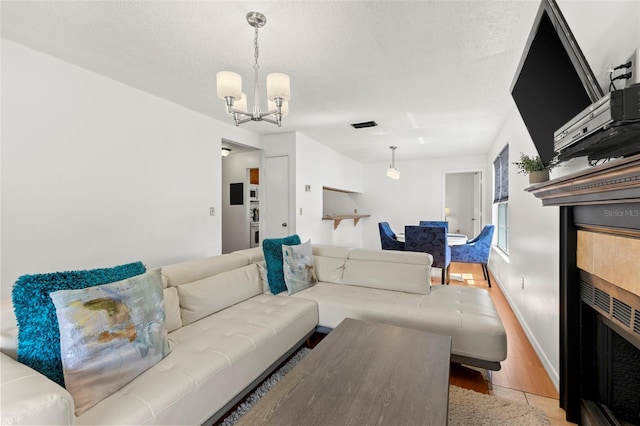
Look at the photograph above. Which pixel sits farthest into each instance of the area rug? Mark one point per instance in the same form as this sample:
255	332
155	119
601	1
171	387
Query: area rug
466	407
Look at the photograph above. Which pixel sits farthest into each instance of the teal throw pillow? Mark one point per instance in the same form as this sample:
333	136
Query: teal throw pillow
272	249
299	271
109	335
38	332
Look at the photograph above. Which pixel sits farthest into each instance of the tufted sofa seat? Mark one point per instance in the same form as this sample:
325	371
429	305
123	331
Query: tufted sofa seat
227	333
466	314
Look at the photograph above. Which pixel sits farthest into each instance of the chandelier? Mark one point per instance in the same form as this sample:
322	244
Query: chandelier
229	88
392	172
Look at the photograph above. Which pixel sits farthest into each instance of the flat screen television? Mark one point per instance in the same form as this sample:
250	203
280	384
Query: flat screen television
553	82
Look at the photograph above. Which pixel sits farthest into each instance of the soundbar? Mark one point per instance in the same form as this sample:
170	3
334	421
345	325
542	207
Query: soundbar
610	127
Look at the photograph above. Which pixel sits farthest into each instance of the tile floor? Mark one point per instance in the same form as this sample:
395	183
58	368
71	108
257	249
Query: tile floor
549	406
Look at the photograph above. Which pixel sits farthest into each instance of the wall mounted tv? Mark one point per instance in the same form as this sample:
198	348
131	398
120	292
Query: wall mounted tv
553	82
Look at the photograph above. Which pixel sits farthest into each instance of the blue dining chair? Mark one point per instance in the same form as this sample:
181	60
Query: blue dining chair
388	239
432	240
476	250
435	223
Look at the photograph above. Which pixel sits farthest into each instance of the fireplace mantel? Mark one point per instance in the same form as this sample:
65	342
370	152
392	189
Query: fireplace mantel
602	199
614	182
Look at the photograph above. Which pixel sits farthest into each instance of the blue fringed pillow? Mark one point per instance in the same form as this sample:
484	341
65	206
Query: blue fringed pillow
272	249
38	332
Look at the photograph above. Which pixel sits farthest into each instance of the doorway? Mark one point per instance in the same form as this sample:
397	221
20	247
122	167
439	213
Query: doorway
240	197
463	202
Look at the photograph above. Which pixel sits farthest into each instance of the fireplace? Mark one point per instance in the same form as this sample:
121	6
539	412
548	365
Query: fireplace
599	291
610	353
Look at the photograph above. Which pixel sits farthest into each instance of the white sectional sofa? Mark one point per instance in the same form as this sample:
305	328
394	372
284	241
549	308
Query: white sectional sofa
228	333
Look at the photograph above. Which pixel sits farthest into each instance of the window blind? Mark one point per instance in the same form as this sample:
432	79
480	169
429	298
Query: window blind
501	176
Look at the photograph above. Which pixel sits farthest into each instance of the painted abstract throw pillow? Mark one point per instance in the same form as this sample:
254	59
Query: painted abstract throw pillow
38	332
110	334
272	250
299	271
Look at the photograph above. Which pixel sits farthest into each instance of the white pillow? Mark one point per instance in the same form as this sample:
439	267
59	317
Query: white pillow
110	334
298	267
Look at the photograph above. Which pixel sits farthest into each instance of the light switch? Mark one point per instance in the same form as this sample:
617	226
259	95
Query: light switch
212	211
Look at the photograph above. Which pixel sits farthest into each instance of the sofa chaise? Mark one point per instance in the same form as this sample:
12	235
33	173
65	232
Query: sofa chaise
228	332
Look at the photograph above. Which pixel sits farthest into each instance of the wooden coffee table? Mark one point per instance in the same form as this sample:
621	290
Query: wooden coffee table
363	373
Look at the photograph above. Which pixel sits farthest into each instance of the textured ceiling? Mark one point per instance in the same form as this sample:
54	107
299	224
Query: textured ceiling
434	75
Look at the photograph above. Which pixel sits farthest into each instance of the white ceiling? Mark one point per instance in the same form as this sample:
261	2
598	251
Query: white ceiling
434	75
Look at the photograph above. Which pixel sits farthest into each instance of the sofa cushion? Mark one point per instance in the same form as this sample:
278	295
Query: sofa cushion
29	398
466	314
329	262
9	329
298	267
173	318
254	254
194	270
213	360
264	280
109	334
38	332
272	248
204	297
389	270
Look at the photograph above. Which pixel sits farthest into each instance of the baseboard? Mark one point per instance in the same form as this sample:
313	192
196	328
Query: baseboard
553	374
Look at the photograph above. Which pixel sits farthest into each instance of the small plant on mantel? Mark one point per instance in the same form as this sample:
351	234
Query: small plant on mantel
537	169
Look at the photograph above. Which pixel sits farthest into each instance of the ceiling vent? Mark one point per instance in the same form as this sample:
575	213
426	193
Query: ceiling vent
364	124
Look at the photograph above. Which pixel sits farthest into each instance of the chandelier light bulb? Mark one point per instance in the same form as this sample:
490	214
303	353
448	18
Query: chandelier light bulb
278	86
241	104
229	85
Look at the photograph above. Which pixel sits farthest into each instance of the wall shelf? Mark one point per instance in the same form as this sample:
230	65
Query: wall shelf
338	218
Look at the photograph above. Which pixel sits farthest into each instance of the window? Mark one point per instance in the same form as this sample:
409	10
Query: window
501	196
503	234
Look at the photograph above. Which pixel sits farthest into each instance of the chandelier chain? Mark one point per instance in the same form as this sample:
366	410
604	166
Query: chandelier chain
256	47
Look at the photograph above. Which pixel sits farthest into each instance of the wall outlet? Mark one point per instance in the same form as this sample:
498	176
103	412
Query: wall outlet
212	211
635	68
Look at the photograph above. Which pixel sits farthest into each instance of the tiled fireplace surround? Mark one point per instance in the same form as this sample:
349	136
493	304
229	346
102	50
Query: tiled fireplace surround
599	290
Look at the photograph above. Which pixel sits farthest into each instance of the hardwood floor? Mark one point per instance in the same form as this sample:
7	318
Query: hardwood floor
522	370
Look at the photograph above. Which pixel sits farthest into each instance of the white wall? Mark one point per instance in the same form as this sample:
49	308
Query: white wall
97	173
607	32
318	166
235	219
417	195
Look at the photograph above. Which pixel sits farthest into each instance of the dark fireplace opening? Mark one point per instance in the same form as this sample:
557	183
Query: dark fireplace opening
610	370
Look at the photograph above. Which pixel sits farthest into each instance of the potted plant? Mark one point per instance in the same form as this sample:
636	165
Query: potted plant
537	169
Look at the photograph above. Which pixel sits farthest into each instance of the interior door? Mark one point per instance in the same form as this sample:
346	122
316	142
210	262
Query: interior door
276	197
